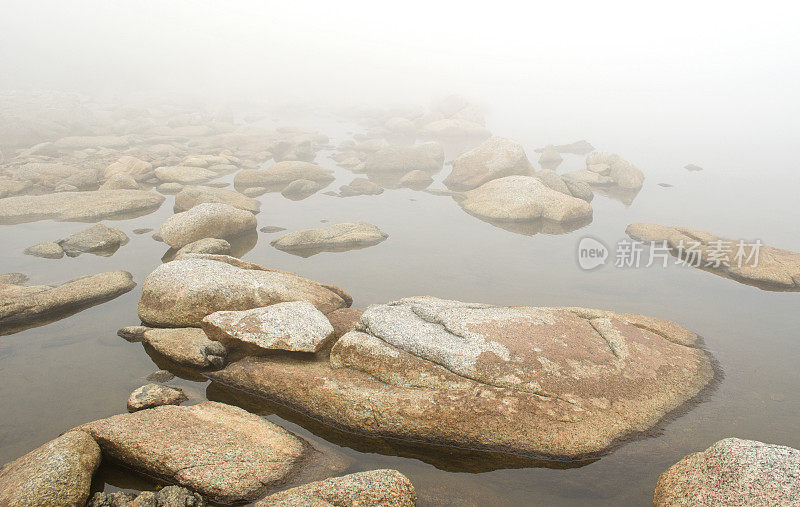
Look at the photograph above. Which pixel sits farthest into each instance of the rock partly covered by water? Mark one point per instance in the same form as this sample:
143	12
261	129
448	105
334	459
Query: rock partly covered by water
623	173
98	239
22	305
301	189
154	395
523	198
224	453
57	473
190	197
188	346
206	246
184	175
427	157
331	238
560	382
206	220
566	185
360	186
181	292
46	250
295	326
78	206
170	496
494	158
386	488
744	261
281	174
733	472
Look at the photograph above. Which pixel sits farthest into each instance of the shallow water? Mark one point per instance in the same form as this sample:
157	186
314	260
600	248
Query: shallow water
75	370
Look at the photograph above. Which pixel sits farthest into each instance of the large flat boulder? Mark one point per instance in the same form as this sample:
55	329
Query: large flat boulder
23	306
494	158
733	472
78	206
181	292
206	220
386	488
222	452
556	382
190	197
762	266
57	473
331	238
281	174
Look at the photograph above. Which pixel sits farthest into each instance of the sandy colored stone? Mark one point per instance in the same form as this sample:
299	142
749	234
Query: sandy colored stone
128	165
622	172
181	292
344	320
222	452
334	238
46	250
282	173
169	496
733	472
360	186
427	157
184	175
190	197
13	278
154	395
120	181
415	179
494	158
78	206
57	473
206	246
385	488
581	147
556	382
98	239
206	220
765	267
300	189
294	326
550	157
188	346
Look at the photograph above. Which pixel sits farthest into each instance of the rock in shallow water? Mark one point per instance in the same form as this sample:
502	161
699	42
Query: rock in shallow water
295	326
281	174
188	346
98	239
181	292
206	220
190	197
78	206
557	382
170	496
386	488
224	453
154	395
57	473
46	250
206	246
494	158
331	238
733	472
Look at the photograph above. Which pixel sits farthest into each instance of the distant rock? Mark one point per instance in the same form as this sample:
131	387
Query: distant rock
281	174
169	496
47	250
98	239
295	326
332	238
494	158
181	292
565	185
120	181
225	453
142	230
624	174
581	147
57	473
188	346
190	197
450	128
415	180
93	142
762	266
78	206
184	175
272	228
360	186
170	188
155	395
693	167
733	472
24	306
300	189
206	220
206	246
385	488
127	165
426	157
590	177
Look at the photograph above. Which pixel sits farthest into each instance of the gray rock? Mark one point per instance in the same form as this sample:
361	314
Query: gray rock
48	250
79	206
692	167
624	174
181	292
385	488
550	157
300	189
272	228
331	238
733	472
494	158
57	473
160	376
170	496
98	239
295	326
207	220
188	346
94	142
190	197
207	246
360	186
13	278
581	147
415	179
154	395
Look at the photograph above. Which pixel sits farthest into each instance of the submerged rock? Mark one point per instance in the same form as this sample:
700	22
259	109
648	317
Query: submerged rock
188	346
184	175
57	473
281	174
763	266
426	157
331	238
733	472
181	292
98	239
415	179
692	167
206	246
300	189
206	220
47	250
78	206
623	174
154	395
360	186
295	326
13	278
558	382
24	306
189	197
272	228
387	488
494	158
224	453
170	496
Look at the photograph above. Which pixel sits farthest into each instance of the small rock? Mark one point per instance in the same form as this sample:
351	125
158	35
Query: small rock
160	376
206	245
331	238
120	181
143	230
98	239
272	228
132	334
170	188
48	250
190	197
13	278
300	189
416	179
154	395
188	346
169	496
693	167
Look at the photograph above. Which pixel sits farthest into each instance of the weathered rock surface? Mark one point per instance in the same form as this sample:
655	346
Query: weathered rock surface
78	206
206	220
222	452
128	165
170	496
523	198
427	157
188	346
331	238
566	185
181	292
763	266
415	179
494	158
120	181
581	147
47	250
386	488
344	320
733	472
300	189
190	197
206	246
558	382
295	326
13	278
57	473
281	174
24	306
154	395
622	172
98	239
360	186
184	175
